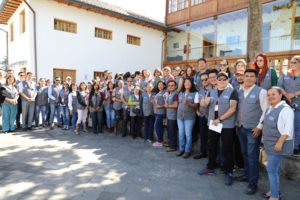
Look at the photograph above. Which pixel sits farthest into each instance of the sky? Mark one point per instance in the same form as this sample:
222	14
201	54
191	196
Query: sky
155	9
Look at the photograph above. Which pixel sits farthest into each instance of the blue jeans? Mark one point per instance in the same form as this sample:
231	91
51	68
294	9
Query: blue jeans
44	111
74	120
53	110
297	130
64	110
97	121
273	168
185	134
9	114
110	116
159	128
250	151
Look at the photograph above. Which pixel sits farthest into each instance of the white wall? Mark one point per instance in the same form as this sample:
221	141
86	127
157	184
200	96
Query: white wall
21	48
85	53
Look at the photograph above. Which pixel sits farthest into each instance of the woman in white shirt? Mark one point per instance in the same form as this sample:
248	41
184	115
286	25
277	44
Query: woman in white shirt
278	131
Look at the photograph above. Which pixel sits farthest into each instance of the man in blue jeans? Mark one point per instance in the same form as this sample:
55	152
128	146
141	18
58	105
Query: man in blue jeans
251	108
53	93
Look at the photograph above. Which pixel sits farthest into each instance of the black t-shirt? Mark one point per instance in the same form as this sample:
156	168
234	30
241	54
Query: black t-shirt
234	96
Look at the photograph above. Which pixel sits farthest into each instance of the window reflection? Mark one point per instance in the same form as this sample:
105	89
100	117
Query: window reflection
176	44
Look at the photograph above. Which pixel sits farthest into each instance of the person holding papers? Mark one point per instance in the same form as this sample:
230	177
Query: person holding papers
222	104
252	104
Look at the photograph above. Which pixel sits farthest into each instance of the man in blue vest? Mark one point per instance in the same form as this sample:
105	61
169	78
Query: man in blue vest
252	105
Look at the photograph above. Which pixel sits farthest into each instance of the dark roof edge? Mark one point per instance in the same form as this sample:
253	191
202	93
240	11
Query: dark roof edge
159	24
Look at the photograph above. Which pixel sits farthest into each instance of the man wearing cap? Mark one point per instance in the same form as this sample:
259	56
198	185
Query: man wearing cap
176	74
202	69
222	104
69	80
252	105
167	75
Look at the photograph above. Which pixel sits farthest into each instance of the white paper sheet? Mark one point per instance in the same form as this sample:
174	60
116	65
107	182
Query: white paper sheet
217	128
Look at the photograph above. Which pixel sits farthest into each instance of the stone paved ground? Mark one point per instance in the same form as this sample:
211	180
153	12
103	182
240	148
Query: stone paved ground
57	164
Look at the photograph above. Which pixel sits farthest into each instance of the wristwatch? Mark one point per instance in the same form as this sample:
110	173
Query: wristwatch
219	119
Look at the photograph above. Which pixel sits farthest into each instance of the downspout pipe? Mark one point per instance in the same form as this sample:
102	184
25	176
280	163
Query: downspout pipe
163	50
34	38
6	32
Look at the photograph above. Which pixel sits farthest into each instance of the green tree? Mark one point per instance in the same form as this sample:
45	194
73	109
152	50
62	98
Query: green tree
4	64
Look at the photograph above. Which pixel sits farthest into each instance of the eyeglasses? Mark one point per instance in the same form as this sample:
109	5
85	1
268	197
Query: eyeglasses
206	79
222	65
129	81
171	85
22	75
260	60
222	79
294	62
57	80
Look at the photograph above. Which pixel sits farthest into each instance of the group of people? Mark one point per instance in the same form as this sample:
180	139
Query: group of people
234	112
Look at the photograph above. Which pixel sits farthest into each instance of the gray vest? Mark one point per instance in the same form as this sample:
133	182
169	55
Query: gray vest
267	82
202	95
28	89
126	94
133	99
55	91
223	106
117	105
159	97
147	104
83	99
10	93
42	96
177	80
63	96
172	112
271	134
290	85
249	110
74	102
184	111
107	100
95	102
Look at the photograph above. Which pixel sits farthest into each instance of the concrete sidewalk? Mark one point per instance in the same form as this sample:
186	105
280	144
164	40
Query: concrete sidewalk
57	164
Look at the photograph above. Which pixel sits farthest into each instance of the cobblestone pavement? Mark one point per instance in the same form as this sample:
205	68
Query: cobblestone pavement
57	164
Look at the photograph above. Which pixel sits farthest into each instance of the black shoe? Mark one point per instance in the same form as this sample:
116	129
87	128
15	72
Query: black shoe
251	189
296	152
24	129
242	178
4	132
29	128
199	156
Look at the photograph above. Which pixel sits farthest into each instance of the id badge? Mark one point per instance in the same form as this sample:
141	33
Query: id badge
216	107
62	100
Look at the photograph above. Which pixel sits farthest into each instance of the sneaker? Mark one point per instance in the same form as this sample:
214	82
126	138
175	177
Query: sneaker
169	149
150	141
199	156
228	179
157	144
251	189
296	152
206	171
166	145
51	127
186	155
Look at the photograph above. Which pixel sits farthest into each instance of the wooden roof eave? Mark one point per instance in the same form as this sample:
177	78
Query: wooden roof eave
7	9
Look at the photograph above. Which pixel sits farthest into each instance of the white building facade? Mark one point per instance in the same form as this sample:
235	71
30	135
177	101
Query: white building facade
62	40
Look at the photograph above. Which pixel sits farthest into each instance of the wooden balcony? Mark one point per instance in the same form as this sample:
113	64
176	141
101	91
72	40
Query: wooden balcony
210	8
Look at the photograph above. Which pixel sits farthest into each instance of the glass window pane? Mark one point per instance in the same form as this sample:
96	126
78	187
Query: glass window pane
277	26
232	33
179	36
202	39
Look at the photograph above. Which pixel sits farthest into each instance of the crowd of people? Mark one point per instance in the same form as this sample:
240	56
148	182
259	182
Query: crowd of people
235	112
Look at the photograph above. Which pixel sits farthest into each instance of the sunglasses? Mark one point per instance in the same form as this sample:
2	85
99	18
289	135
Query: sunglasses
171	85
222	79
294	62
57	80
206	79
22	75
129	81
260	60
222	65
